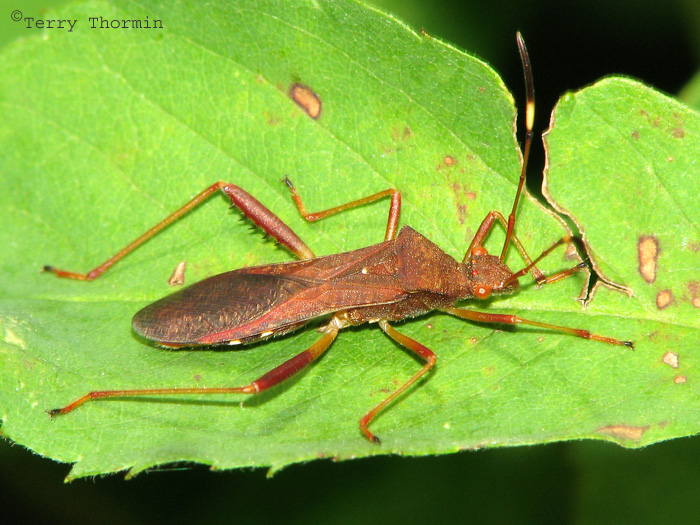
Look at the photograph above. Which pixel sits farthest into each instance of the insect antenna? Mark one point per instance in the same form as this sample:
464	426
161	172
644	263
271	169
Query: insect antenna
529	124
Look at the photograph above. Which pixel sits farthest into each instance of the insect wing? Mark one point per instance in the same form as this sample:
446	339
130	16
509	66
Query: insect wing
231	303
250	303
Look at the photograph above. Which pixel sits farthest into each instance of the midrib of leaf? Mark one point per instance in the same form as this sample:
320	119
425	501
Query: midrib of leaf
279	190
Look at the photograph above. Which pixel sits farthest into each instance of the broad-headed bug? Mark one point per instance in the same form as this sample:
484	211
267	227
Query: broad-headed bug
405	276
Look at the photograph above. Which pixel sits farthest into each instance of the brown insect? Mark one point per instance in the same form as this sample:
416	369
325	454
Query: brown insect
405	276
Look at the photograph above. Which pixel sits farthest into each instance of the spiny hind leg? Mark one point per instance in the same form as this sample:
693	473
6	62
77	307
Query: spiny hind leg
244	201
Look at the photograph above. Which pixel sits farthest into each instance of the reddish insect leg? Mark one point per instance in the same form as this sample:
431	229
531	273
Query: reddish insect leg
267	221
483	317
483	231
249	206
272	378
394	208
552	278
414	346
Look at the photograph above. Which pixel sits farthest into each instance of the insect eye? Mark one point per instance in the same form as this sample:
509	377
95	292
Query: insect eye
482	291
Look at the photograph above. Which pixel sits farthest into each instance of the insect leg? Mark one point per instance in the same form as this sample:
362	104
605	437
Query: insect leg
483	317
564	274
483	231
96	272
270	379
552	278
250	207
267	221
394	208
423	351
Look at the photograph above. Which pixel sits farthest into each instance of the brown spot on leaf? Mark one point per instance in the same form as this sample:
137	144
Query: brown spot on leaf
635	134
272	120
178	276
664	298
460	193
399	134
625	432
680	379
449	160
694	289
654	122
307	100
648	253
461	213
678	133
670	359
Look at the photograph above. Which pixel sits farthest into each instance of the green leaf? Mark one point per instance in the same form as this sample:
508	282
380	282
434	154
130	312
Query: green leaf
622	164
105	132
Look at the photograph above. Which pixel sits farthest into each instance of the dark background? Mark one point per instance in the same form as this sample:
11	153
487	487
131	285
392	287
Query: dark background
571	44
